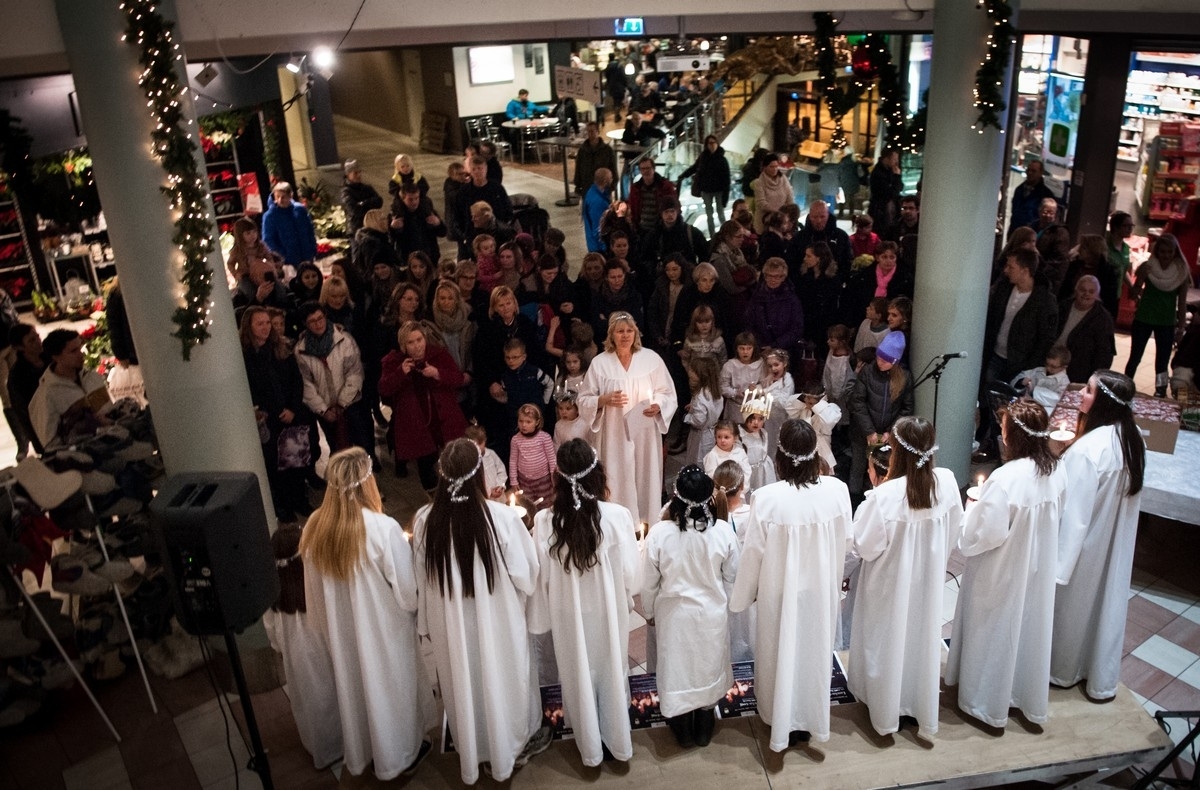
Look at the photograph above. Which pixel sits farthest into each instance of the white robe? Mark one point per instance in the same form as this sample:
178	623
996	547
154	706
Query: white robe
895	639
308	668
588	614
1095	560
1000	645
566	430
630	444
369	624
796	541
758	455
716	456
702	415
741	624
481	648
683	591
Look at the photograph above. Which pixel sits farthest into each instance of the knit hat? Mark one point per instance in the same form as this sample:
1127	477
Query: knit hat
350	166
891	348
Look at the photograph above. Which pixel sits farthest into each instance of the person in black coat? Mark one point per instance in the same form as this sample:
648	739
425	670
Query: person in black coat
503	322
357	198
669	237
374	244
704	289
863	285
819	226
277	392
886	186
1088	329
415	225
710	180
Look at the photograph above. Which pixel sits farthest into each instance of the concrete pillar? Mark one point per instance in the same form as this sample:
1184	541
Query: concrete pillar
202	407
958	227
1100	122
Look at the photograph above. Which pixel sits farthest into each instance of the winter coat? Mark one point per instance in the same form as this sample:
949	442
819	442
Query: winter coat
775	316
426	415
710	173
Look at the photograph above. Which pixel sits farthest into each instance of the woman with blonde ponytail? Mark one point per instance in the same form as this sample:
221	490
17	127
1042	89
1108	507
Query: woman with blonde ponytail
361	593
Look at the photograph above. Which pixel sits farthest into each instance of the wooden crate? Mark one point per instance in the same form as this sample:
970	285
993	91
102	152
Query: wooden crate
434	129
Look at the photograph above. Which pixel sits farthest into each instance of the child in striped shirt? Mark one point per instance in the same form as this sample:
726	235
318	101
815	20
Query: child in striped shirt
531	459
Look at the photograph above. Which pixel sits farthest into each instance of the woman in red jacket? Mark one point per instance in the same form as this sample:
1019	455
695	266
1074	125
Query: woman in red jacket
420	382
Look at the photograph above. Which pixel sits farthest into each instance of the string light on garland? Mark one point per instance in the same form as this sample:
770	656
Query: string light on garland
171	143
989	77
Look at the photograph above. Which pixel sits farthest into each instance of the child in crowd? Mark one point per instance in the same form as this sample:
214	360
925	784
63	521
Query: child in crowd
531	460
1047	384
494	474
899	319
778	383
837	378
730	506
882	394
727	448
754	439
573	370
483	250
687	562
552	247
864	240
742	372
823	415
703	337
305	656
583	339
874	328
704	410
522	382
569	426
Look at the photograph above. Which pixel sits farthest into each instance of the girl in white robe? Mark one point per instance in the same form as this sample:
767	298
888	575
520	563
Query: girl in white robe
903	533
588	561
796	541
473	611
1105	465
1000	645
728	447
628	399
306	662
741	373
729	505
686	564
361	592
705	408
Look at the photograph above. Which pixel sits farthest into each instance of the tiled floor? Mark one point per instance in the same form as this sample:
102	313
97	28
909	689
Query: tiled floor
184	745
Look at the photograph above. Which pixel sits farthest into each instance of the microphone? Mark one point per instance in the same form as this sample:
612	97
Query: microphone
955	355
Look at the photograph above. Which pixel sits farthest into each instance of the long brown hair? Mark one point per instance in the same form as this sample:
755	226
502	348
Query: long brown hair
285	544
276	342
797	438
920	485
335	537
456	531
1106	410
1023	444
728	481
576	513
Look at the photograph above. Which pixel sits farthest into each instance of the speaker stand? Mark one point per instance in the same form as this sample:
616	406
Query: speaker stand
258	757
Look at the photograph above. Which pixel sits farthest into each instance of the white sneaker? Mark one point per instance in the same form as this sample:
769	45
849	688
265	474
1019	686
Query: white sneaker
538	742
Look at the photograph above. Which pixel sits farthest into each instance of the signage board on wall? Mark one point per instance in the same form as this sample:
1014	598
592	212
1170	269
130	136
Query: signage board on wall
577	83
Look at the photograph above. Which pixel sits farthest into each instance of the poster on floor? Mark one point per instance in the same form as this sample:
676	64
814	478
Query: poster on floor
740	699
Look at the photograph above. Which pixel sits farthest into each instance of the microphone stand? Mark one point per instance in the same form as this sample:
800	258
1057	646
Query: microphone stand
936	374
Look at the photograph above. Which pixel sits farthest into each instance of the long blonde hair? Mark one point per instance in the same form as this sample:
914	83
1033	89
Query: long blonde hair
335	536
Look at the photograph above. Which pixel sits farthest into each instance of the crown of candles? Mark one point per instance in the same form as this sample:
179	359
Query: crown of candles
756	401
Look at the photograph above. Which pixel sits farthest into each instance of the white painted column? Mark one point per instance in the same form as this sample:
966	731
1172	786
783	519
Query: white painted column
201	408
958	227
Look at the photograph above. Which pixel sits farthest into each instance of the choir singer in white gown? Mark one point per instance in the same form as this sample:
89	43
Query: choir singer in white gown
628	399
904	532
1000	644
588	561
361	592
797	536
1106	466
476	568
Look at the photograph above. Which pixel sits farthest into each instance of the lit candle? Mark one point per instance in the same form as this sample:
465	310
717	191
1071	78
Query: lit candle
973	491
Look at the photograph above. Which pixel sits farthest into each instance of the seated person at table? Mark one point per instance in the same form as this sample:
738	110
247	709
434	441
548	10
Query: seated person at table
641	131
521	107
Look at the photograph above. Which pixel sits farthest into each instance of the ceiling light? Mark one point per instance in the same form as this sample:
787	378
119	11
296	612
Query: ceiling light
295	63
704	45
323	58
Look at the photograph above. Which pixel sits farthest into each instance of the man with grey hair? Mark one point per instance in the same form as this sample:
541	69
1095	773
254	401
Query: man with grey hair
1086	328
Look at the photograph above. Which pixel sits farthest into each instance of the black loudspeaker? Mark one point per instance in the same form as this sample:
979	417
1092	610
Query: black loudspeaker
216	548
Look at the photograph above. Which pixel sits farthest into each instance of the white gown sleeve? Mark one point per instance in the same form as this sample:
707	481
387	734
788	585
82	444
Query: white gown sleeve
986	523
399	568
651	577
745	586
872	533
1077	510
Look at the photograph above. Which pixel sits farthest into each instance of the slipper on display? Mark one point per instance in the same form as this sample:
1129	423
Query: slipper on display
48	489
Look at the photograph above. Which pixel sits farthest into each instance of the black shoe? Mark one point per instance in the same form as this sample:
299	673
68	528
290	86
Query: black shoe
426	747
681	728
909	721
796	737
704	722
1160	392
607	756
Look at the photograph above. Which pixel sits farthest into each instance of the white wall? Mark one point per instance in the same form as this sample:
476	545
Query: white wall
482	99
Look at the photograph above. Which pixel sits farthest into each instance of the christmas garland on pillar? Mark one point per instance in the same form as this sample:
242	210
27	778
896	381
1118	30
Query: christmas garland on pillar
173	146
840	100
989	78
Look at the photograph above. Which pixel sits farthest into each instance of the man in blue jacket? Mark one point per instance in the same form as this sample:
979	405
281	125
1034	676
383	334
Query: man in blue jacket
287	229
521	107
595	203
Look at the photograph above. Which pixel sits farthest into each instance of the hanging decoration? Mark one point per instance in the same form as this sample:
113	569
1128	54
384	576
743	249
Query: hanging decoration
172	144
903	133
840	100
989	77
862	62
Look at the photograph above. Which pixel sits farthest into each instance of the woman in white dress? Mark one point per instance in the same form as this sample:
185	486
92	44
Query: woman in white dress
476	568
903	532
1106	466
628	399
687	562
1000	645
796	541
361	592
588	560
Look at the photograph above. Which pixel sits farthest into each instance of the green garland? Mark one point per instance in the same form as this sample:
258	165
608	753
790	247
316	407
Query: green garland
840	100
173	146
906	134
989	78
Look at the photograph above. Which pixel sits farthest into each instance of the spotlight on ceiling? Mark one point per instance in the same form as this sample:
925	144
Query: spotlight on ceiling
323	58
295	63
909	14
704	45
206	75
